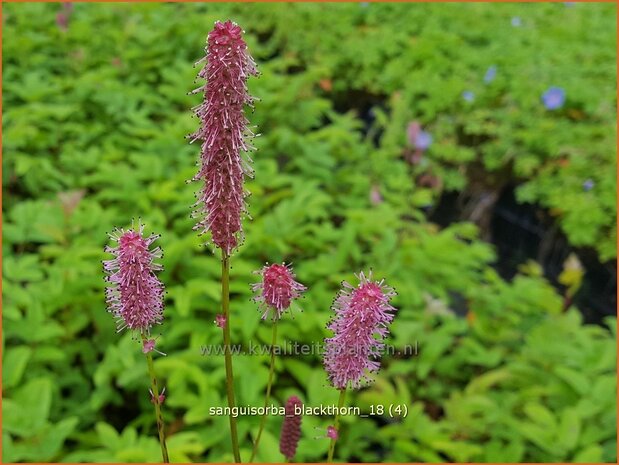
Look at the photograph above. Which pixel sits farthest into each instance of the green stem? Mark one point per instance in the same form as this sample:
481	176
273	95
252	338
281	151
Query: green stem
225	302
155	399
268	394
340	404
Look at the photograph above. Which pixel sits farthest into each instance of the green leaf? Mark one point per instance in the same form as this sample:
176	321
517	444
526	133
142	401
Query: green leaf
577	380
108	436
15	361
540	415
27	411
589	454
569	429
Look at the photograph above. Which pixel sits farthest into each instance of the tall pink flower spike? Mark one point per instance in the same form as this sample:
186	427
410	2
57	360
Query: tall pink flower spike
291	428
277	289
135	294
224	132
360	325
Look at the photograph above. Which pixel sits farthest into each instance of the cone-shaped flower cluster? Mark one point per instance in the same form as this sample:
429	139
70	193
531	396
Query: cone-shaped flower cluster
135	296
291	428
277	289
224	133
360	325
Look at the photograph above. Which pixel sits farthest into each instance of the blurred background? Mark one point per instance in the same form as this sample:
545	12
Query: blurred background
465	152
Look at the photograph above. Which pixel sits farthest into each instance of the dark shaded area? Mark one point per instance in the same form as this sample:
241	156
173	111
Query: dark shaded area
522	232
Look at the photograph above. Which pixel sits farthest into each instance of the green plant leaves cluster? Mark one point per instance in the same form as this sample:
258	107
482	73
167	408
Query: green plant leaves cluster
93	134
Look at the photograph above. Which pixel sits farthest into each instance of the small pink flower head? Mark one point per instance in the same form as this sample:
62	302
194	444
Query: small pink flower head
135	294
277	289
375	196
62	20
291	428
360	325
63	16
224	132
332	432
220	320
160	399
148	345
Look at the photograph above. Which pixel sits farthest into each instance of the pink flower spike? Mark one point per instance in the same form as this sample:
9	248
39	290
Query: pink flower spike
332	432
224	133
135	294
291	428
63	16
375	196
360	325
220	320
62	20
412	131
277	289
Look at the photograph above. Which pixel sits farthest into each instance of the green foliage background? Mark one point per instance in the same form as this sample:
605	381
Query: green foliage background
93	134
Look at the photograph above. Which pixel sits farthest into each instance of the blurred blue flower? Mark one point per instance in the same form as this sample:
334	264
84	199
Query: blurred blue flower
569	4
553	98
364	4
490	74
423	140
516	21
468	95
588	185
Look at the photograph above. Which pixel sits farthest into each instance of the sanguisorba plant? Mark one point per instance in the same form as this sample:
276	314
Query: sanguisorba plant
275	292
224	133
291	428
360	325
135	298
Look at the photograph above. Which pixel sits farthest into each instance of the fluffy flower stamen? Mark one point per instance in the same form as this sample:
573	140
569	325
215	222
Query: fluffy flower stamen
224	132
277	289
360	325
135	294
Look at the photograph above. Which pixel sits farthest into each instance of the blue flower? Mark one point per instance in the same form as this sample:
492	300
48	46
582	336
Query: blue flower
468	95
588	185
516	21
553	98
423	140
490	74
569	4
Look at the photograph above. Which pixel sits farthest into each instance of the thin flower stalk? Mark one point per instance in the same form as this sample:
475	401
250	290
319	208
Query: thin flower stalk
267	396
225	293
336	427
157	399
